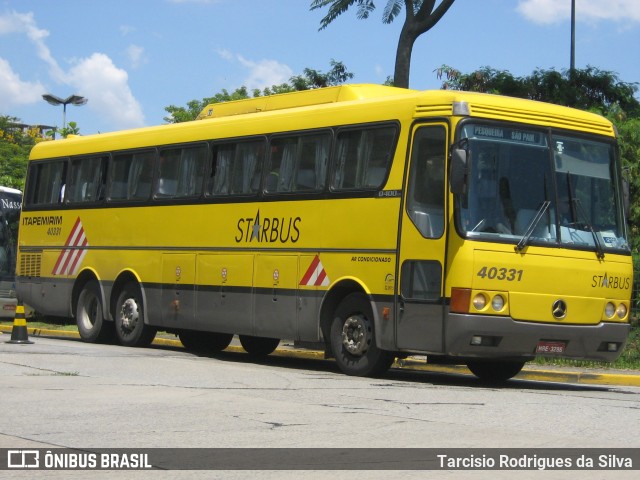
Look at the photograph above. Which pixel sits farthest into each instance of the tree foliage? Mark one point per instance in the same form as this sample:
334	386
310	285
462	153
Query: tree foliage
629	142
15	145
72	128
421	16
587	89
308	80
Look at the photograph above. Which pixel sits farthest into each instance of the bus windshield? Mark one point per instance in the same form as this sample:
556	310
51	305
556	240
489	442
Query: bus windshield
531	187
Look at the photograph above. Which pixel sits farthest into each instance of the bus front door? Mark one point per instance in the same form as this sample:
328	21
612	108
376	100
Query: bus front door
419	325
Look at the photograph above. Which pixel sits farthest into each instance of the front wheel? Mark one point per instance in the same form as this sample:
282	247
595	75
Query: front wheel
258	346
92	326
129	318
495	371
353	339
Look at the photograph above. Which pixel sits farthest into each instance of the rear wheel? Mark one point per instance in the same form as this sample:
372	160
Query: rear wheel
204	342
495	371
90	315
353	339
259	346
129	318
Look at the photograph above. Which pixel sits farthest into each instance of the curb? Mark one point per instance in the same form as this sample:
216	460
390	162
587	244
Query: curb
528	373
543	375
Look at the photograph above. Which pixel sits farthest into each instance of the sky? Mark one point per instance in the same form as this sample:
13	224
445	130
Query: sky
133	58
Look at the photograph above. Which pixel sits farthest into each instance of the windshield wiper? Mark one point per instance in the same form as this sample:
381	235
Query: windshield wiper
587	226
577	211
524	241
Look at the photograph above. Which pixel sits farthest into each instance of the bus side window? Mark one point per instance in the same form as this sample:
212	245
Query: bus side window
131	175
298	163
46	183
311	171
284	156
191	166
87	180
118	182
141	175
180	172
247	167
425	198
218	183
168	171
363	157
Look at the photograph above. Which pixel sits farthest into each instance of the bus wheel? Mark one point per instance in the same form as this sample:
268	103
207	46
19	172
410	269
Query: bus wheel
258	346
495	371
353	339
129	318
89	315
204	342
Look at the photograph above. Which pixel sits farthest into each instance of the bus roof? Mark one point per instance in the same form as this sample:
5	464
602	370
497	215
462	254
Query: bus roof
305	98
15	191
356	104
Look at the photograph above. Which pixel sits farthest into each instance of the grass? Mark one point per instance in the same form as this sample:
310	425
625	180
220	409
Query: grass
45	325
628	360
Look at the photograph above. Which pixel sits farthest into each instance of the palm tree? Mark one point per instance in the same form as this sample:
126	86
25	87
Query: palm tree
421	15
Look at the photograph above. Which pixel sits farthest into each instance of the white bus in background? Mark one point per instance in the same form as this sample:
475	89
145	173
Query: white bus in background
10	203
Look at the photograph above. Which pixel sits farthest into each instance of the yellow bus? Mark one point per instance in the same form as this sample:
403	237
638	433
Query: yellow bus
373	221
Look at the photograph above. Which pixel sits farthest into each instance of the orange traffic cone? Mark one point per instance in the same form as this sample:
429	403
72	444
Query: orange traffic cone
19	332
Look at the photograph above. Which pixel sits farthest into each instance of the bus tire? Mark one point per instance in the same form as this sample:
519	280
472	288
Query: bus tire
353	340
129	318
258	346
495	371
204	342
92	326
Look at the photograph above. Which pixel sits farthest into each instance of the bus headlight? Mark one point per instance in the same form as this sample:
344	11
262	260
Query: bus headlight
479	301
497	303
621	311
486	302
609	310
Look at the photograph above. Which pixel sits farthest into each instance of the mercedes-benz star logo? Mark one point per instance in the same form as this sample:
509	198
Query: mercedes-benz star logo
559	309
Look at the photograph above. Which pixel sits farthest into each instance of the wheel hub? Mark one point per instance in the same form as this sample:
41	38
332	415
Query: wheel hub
355	335
129	314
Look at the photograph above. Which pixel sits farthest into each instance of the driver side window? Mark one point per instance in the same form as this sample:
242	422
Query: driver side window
425	199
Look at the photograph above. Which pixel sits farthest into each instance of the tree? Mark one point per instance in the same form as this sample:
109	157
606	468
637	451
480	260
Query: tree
71	129
586	89
629	142
421	16
309	79
15	145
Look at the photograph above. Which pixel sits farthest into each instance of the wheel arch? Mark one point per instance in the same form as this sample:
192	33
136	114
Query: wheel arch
84	277
338	292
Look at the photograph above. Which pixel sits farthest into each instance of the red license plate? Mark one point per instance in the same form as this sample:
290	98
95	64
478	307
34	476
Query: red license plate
546	347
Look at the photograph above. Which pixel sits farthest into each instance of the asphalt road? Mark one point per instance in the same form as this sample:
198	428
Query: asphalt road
64	393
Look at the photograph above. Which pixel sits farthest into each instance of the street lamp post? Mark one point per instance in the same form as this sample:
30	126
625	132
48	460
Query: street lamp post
71	99
572	59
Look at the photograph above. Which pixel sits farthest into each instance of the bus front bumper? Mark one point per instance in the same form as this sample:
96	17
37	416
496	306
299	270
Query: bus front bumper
503	337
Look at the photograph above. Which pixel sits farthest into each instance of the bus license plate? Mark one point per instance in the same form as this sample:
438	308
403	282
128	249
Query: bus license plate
546	347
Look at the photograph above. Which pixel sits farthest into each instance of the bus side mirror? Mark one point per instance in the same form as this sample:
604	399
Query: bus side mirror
458	173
